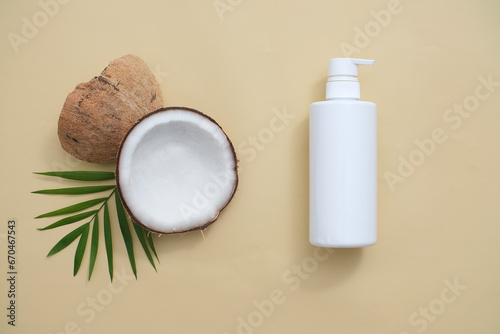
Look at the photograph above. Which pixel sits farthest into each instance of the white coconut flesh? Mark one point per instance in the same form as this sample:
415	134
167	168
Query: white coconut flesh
176	170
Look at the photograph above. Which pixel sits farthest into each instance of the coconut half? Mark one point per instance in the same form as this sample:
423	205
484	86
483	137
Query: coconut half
176	170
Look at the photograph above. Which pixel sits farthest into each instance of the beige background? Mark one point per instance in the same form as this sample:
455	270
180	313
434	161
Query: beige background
242	63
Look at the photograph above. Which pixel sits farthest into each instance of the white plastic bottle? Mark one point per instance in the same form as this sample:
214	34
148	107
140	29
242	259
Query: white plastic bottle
343	162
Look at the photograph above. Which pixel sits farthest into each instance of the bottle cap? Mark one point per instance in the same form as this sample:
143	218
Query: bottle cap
343	78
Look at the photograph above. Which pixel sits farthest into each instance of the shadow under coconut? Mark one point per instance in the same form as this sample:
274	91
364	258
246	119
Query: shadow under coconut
169	244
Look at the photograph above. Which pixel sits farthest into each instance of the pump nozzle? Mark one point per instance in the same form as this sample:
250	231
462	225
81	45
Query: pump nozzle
343	77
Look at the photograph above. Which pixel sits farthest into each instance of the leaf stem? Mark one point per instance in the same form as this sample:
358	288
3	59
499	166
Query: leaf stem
102	205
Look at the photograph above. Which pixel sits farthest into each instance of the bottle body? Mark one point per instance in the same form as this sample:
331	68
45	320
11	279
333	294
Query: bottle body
343	173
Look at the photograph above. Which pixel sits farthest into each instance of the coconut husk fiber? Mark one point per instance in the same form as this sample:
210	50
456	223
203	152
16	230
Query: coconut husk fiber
97	114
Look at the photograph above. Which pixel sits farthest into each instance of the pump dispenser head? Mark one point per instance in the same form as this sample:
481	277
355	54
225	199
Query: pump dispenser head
343	78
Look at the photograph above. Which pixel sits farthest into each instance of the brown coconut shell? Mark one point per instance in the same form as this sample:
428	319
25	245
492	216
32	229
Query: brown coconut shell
97	114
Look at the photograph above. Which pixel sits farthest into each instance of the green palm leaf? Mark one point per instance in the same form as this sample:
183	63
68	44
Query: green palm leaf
142	239
81	175
73	208
149	237
125	229
94	245
108	241
66	240
70	220
75	190
80	249
83	231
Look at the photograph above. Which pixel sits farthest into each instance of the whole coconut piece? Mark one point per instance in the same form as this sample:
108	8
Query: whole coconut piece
97	114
